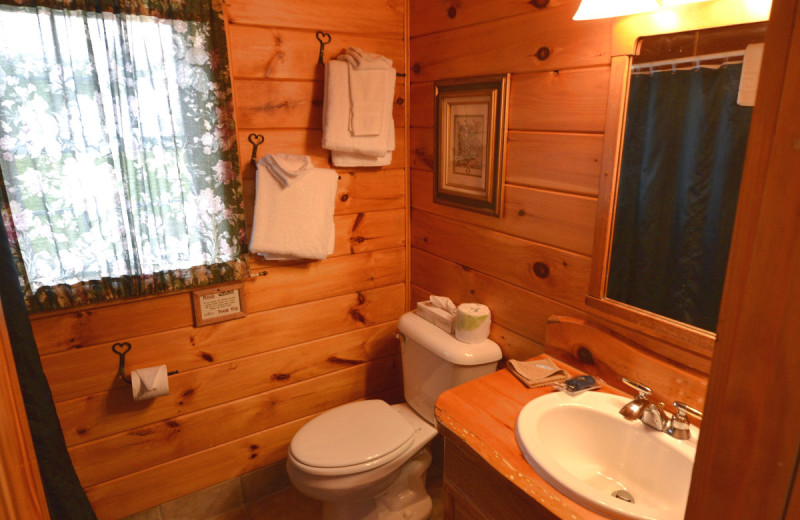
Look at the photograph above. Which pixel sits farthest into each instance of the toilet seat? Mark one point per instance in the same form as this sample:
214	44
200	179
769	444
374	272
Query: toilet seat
352	438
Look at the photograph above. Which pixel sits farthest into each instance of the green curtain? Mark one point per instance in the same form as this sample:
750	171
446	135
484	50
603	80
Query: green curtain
117	149
685	141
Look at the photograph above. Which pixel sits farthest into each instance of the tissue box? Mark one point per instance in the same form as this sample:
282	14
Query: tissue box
439	317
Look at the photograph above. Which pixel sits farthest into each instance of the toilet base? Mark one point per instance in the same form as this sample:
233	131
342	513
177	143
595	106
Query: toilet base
405	499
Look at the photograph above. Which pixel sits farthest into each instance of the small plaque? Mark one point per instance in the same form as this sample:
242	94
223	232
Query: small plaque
220	303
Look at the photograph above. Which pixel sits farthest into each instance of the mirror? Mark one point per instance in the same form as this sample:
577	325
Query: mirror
659	145
685	136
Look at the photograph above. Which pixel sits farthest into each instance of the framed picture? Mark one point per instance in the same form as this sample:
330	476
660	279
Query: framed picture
471	123
221	303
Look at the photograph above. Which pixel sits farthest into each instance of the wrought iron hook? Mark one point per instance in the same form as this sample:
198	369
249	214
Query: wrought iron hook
323	38
121	349
255	140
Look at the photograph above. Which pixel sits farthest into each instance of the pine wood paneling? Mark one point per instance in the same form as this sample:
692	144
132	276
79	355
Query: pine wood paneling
440	15
562	162
105	413
510	45
162	441
278	53
557	219
561	100
561	275
92	369
372	17
512	307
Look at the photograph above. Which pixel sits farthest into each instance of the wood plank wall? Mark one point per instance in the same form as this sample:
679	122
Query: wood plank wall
316	335
556	129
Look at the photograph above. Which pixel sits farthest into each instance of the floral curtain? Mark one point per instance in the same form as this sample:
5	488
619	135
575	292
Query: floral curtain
117	149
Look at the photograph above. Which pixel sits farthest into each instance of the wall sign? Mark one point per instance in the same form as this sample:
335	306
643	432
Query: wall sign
217	304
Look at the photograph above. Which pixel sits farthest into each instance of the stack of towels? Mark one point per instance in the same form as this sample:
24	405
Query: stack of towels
357	124
293	214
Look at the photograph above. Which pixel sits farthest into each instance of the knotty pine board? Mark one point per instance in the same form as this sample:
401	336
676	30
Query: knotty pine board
281	53
557	219
381	18
562	275
510	45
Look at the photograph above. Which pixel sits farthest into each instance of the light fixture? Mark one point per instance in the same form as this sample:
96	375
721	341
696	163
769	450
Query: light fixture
594	9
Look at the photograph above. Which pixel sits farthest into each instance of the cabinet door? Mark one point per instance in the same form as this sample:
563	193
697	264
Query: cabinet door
457	507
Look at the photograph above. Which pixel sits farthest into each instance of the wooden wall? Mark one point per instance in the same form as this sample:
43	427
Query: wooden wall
316	335
557	114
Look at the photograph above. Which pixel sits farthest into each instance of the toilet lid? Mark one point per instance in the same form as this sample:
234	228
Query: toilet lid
351	434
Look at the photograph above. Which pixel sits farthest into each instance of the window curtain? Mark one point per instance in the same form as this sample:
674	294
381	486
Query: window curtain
117	149
685	141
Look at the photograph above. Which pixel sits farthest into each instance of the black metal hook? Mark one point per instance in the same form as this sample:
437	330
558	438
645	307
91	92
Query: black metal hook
255	140
323	38
121	349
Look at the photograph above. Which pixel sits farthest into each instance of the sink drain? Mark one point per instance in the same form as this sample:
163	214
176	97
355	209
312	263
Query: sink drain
623	495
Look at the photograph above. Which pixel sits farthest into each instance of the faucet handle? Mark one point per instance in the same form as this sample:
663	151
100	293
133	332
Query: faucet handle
643	390
683	409
678	426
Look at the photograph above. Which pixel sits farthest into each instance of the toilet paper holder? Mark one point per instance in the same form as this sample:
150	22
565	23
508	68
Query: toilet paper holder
121	349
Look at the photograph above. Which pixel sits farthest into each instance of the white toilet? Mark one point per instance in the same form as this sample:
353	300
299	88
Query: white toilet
367	460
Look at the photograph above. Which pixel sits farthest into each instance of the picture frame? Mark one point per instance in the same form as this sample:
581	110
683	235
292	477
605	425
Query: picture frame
219	303
471	127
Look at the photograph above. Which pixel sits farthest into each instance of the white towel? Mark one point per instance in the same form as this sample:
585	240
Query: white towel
359	59
287	168
368	101
351	160
336	114
295	221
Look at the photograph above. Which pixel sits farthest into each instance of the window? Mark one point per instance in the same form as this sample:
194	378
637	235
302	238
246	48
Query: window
117	151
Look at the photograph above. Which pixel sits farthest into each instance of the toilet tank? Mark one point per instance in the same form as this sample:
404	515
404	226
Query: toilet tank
434	361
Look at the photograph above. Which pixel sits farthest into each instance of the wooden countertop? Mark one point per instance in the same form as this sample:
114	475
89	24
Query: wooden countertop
482	413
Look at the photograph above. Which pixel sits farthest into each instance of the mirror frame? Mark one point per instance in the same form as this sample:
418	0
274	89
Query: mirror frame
696	345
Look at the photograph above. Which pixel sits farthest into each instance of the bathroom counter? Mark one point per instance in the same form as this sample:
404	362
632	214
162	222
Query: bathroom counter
478	419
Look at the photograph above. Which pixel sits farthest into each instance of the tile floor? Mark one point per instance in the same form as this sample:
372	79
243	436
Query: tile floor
265	494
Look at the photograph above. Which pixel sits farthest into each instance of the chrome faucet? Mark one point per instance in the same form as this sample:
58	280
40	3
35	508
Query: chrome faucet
653	414
641	408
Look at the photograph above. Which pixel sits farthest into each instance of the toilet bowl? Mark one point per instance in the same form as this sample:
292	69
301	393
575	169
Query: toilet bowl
360	452
367	460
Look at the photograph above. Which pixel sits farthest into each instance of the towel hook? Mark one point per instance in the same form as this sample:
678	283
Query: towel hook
255	140
121	349
323	38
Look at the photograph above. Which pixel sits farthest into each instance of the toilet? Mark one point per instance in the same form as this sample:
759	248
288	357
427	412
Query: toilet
367	460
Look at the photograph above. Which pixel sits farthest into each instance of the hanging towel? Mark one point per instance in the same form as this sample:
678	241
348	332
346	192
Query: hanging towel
361	60
368	101
287	168
294	221
336	133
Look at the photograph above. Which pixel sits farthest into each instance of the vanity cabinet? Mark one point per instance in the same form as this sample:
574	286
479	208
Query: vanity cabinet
473	490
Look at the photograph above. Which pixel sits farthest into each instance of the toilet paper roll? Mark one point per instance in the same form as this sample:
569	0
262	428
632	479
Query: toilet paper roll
472	322
149	383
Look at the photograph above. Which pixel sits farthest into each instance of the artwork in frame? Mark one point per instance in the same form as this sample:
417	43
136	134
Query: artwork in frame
471	124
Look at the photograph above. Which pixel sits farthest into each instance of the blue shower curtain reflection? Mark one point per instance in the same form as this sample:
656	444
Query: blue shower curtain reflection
685	141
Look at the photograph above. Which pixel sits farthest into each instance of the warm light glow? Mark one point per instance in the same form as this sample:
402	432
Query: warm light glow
758	8
594	9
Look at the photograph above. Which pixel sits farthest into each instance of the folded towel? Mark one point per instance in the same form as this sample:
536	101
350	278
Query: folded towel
537	372
287	168
368	101
353	160
336	114
295	221
359	59
281	258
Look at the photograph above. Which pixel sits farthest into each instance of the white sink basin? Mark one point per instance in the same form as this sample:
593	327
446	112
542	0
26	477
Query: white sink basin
584	448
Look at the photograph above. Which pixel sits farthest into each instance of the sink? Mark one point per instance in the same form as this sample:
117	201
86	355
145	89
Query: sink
583	447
